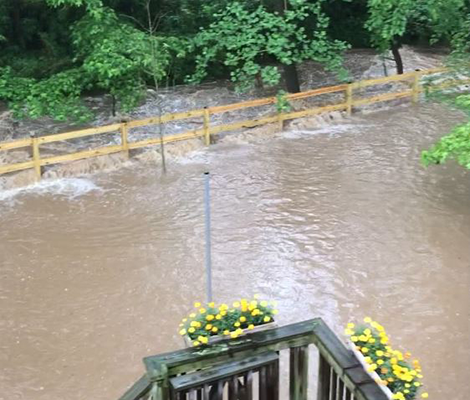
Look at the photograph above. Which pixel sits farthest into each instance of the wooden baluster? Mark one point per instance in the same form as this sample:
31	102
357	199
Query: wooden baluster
298	373
324	373
36	156
340	389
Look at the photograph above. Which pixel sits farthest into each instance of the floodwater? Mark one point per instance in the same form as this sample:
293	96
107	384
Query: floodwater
340	223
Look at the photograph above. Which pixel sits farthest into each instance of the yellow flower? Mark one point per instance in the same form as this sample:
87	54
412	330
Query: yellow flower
191	330
226	332
364	350
236	304
354	339
425	395
379	353
367	320
204	340
367	332
363	338
254	303
368	360
275	312
215	329
223	313
211	305
380	362
348	332
372	340
185	319
351	325
218	317
208	327
267	319
233	335
417	384
196	343
183	332
264	303
197	304
210	317
239	331
202	310
251	326
242	319
391	380
237	324
192	315
194	324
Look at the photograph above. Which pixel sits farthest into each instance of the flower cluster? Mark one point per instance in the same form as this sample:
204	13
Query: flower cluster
396	370
213	320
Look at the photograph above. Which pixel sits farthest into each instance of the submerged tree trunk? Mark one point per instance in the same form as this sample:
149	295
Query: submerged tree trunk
291	78
397	58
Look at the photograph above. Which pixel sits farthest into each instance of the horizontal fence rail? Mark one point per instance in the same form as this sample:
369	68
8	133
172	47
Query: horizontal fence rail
249	367
37	162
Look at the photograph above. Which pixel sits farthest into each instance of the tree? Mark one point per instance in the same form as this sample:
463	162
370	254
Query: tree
251	43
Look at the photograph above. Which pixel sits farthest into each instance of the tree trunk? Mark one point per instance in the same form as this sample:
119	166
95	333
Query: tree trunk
291	78
397	57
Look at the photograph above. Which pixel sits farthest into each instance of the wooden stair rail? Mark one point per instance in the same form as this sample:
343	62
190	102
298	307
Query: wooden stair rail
192	373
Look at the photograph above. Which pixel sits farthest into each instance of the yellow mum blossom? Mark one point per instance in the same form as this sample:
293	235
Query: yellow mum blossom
379	353
210	317
185	319
394	360
218	317
202	310
208	327
183	332
204	340
223	313
419	376
251	326
368	360
233	335
354	339
194	324
406	391
275	312
348	332
239	331
363	338
417	384
237	324
371	340
264	303
384	341
226	332
351	325
242	319
196	343
215	329
191	330
223	307
364	350
192	315
367	320
267	319
380	361
236	304
197	304
367	332
254	303
425	395
211	305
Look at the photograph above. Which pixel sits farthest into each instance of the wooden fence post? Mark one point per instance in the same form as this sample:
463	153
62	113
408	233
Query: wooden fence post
349	99
36	155
207	134
124	138
416	87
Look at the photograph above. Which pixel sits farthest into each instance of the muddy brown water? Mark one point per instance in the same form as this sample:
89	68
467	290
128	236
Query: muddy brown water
338	223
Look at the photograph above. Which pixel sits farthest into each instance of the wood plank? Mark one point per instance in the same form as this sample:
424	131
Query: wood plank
273	380
223	371
383	97
167	139
324	379
317	92
243	124
249	385
313	111
165	118
81	155
138	389
340	389
77	134
384	80
16	144
245	104
334	385
233	388
6	169
263	384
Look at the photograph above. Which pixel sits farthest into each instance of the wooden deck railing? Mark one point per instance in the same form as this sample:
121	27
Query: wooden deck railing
206	130
251	367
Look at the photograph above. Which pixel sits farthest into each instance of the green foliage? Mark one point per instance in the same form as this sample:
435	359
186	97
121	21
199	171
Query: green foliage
282	103
243	40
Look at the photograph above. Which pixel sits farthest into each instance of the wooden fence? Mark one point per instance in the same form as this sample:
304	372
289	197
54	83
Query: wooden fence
240	369
36	162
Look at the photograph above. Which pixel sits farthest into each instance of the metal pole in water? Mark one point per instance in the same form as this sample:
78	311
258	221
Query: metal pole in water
207	210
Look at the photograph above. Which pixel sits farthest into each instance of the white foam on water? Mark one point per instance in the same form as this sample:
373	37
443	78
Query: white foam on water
330	130
68	187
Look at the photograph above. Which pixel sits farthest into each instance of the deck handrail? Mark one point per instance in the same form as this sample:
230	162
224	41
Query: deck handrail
340	372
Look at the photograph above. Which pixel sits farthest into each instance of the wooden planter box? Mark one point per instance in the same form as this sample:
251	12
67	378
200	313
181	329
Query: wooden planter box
372	374
218	338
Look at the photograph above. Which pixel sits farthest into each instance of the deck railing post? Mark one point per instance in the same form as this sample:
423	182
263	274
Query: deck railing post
324	378
298	373
207	133
36	155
